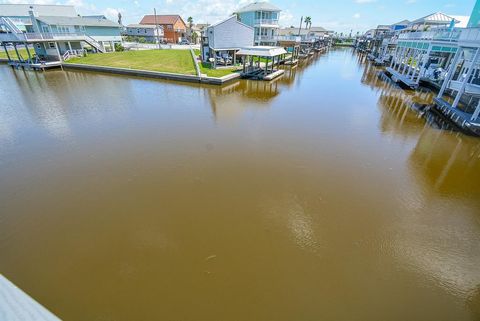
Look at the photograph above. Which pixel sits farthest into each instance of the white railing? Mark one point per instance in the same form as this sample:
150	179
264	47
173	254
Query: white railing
73	53
8	37
470	35
266	22
289	38
440	35
53	35
265	38
390	41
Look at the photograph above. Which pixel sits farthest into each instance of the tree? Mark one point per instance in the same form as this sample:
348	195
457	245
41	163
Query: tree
194	37
308	22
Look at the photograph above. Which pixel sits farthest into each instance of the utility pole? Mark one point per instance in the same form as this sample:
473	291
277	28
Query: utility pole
300	28
156	28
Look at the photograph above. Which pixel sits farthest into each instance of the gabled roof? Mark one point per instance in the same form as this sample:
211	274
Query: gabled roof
133	25
435	18
228	19
258	6
21	10
77	21
317	29
161	19
402	23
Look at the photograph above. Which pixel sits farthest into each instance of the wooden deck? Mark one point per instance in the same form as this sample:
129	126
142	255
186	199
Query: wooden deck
461	119
398	77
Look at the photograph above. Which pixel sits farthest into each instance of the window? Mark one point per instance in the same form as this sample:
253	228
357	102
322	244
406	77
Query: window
170	27
51	45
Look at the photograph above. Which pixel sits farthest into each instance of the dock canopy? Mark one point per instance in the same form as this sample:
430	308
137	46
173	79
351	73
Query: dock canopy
261	51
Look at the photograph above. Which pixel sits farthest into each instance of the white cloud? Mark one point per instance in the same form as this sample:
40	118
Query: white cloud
356	16
365	1
112	13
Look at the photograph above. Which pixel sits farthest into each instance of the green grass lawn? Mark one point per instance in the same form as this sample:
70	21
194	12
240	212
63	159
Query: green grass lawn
173	61
205	69
13	54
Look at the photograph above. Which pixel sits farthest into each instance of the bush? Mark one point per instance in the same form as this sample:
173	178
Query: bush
119	47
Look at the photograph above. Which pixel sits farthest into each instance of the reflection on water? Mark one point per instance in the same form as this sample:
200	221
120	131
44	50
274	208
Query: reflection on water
326	194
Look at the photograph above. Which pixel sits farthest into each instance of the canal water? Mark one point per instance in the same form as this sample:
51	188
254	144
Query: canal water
321	196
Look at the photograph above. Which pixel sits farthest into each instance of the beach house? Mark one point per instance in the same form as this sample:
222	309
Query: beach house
174	28
55	31
222	40
264	18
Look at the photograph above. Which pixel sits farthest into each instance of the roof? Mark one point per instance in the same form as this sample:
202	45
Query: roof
21	10
435	18
143	26
401	23
294	31
262	51
77	21
100	16
161	19
258	6
229	18
463	21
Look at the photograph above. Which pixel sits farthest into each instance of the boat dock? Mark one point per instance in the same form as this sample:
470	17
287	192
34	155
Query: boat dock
16	305
255	68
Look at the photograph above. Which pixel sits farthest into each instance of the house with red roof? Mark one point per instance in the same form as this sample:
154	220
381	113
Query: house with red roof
174	28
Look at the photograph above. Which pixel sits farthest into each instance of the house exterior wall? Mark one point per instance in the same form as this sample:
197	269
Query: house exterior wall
174	33
230	34
247	18
474	21
265	24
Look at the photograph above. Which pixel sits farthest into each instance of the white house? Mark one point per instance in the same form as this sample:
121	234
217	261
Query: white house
149	32
222	40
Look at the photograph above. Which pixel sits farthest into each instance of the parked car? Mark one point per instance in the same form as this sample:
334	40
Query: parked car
184	42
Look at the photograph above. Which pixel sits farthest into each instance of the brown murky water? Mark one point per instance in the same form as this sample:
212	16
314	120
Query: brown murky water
322	196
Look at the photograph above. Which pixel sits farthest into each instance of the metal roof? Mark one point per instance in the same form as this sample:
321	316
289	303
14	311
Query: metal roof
258	6
77	21
435	18
262	51
234	17
21	10
144	26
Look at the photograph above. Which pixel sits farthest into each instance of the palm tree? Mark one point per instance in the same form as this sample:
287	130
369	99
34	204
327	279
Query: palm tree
308	22
190	26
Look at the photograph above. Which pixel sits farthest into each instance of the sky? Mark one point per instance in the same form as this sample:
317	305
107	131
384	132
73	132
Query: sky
336	15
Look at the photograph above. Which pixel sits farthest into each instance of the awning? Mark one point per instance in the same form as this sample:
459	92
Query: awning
262	51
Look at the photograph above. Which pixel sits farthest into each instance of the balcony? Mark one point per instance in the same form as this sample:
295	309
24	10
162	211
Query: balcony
7	37
470	36
265	38
290	38
266	22
437	35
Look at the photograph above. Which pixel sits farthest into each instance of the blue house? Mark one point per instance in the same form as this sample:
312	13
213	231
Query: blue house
263	17
56	32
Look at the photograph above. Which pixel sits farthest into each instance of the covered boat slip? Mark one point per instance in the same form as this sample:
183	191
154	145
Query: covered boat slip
262	62
16	305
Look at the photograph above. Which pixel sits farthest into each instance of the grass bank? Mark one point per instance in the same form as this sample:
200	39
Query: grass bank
171	60
206	68
13	54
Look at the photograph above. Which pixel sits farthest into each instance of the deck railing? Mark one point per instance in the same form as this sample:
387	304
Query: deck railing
266	21
289	38
470	35
439	35
265	38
